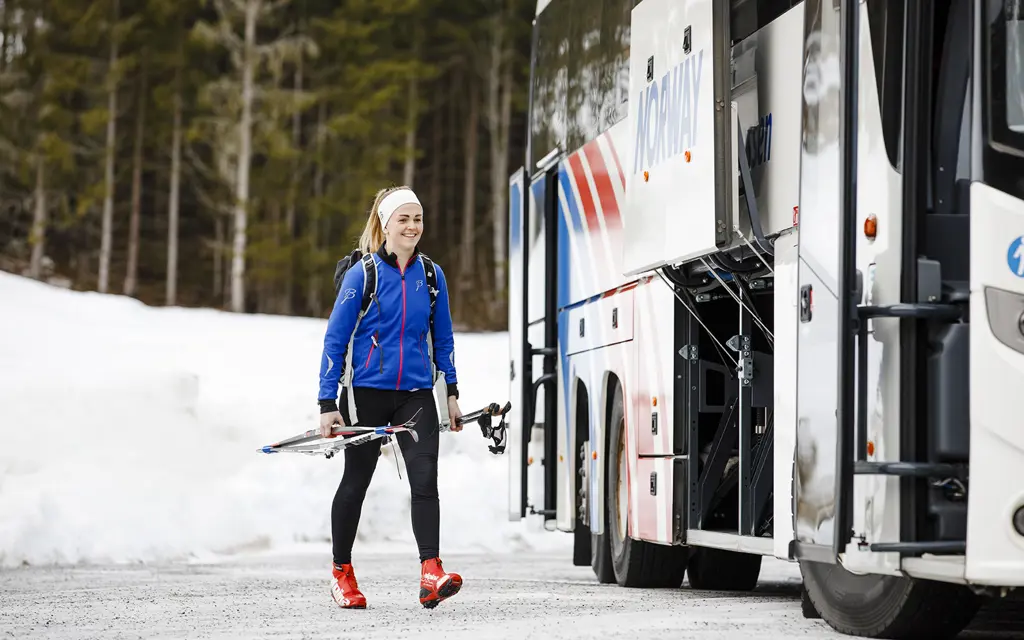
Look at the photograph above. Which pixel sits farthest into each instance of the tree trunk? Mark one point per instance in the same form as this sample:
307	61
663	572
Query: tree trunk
172	201
499	104
437	150
133	232
244	158
38	238
226	256
5	32
289	285
314	222
452	152
413	117
469	200
106	239
218	261
269	297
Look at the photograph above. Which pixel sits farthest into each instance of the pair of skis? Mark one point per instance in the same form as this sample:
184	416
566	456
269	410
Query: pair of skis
340	438
344	437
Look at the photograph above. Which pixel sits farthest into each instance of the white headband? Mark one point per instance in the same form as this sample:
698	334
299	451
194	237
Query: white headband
392	201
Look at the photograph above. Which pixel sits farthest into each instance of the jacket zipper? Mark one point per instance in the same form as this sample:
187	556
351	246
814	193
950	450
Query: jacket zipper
401	338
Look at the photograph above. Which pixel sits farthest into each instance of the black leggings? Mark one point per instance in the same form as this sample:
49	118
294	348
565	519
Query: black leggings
378	407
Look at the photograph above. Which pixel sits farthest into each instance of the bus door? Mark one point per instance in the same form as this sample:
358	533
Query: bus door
533	344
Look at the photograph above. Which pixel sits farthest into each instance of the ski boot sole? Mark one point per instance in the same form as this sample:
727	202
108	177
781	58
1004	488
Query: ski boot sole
445	591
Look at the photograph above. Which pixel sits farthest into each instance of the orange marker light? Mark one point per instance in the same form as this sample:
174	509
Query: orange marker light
655	400
594	455
871	448
687	155
646	176
871	227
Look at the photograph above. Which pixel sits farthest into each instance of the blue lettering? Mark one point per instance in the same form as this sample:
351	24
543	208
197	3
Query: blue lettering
641	134
699	64
675	126
663	116
673	102
653	132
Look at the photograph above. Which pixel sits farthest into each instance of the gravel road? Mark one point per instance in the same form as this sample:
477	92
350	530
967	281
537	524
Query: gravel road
532	596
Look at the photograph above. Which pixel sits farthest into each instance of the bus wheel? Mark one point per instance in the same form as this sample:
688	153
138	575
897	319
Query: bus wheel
635	563
720	570
882	606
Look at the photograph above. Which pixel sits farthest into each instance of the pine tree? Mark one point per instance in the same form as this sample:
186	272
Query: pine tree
226	152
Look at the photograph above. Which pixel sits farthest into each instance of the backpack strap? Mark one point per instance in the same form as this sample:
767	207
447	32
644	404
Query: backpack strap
369	296
431	275
369	283
440	385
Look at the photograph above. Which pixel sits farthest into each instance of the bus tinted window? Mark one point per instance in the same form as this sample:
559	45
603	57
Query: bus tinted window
551	56
1015	65
748	16
885	22
581	72
599	68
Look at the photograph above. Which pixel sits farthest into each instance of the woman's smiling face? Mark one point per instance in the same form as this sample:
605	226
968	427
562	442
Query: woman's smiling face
404	228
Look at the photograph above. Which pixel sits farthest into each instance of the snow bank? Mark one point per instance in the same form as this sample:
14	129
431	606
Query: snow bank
130	434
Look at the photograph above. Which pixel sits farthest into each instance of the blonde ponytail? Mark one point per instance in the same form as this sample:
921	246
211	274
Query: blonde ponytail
373	234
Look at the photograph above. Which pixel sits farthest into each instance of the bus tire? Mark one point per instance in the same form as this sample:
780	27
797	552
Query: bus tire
720	570
884	606
601	558
635	563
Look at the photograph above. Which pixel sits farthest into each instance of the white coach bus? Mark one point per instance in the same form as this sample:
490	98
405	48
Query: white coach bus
767	299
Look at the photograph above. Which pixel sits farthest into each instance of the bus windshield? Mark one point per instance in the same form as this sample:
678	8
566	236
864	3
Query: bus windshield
1004	58
1014	65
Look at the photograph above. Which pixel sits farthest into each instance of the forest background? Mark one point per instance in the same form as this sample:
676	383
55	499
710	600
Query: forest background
225	153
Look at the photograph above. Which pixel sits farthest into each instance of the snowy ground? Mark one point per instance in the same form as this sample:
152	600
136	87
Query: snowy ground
531	595
130	434
540	596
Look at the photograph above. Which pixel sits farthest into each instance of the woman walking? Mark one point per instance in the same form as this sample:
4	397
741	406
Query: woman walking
391	380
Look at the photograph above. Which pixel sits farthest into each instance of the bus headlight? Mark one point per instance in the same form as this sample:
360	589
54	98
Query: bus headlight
1018	521
1006	317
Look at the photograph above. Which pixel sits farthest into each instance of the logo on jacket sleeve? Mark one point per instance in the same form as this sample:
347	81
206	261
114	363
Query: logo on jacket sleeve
349	294
419	283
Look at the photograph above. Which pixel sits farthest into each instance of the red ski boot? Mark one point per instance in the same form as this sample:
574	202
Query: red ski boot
436	585
345	589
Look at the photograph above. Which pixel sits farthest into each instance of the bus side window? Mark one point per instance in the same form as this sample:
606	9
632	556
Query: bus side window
885	21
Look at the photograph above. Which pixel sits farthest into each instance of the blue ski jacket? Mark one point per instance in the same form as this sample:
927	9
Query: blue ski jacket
390	347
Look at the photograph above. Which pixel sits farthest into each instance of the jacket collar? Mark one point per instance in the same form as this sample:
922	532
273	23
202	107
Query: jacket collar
392	259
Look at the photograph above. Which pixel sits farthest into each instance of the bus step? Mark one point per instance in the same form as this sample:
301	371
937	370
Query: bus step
922	310
908	469
914	548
